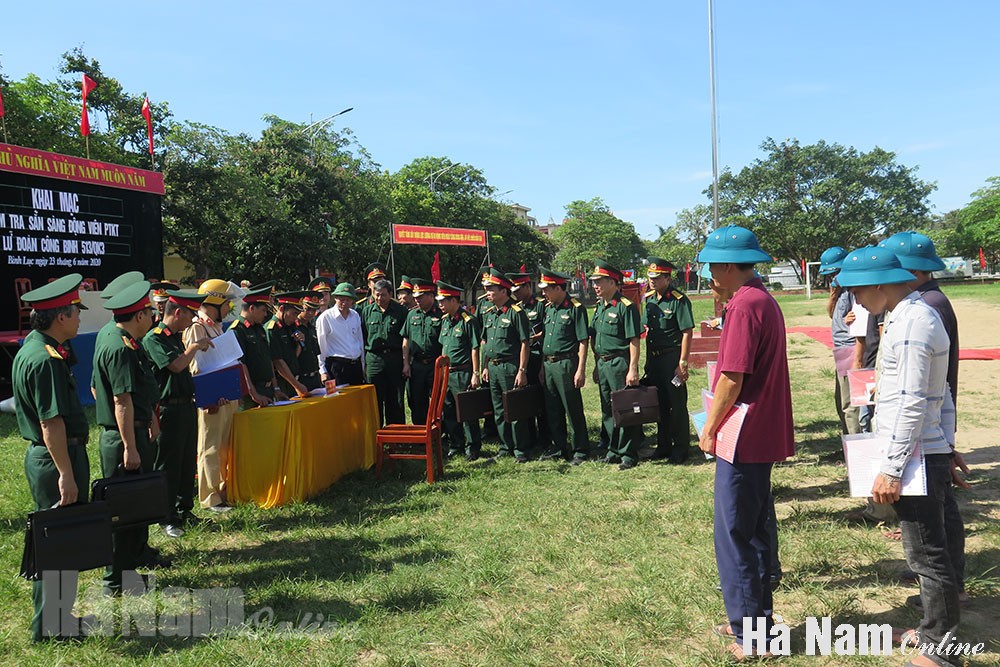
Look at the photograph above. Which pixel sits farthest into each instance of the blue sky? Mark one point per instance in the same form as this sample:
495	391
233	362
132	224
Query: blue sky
559	101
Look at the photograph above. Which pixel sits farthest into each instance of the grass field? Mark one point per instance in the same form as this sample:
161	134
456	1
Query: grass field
537	564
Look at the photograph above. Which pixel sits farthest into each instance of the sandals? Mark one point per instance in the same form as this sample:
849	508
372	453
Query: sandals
896	535
736	653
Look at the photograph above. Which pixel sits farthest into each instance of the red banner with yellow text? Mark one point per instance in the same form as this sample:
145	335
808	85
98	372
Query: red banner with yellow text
54	165
422	235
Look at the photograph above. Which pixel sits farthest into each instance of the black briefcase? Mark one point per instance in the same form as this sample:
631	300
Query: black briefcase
634	406
473	404
134	499
74	537
523	403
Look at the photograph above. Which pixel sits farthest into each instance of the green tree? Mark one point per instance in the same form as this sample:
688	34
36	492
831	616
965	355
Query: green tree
979	223
591	231
800	200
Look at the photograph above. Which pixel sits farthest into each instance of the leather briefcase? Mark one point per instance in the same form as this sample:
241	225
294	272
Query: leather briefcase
134	499
473	405
523	403
634	406
73	537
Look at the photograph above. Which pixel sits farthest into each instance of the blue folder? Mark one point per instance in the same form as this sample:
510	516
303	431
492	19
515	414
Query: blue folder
223	383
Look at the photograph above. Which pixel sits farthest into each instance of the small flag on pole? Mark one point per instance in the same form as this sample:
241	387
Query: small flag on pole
436	267
982	259
687	273
88	85
1	103
149	122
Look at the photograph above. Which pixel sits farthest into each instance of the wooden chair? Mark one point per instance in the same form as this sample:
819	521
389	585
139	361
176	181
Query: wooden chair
418	441
22	286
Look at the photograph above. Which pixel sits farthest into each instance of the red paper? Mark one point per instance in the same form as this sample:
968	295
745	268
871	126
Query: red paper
728	434
862	383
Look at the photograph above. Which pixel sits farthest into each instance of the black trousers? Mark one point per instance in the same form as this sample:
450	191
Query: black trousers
345	371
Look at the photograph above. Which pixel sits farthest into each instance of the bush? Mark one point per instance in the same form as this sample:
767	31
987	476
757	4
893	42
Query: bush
777	287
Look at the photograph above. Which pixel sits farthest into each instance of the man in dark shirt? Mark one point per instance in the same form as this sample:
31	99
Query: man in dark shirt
382	323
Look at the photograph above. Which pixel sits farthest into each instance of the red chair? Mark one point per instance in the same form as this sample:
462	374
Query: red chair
418	441
21	287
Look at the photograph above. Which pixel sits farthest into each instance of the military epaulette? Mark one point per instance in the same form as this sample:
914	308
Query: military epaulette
627	302
157	330
465	316
677	294
576	304
129	343
53	352
516	308
650	293
232	325
270	325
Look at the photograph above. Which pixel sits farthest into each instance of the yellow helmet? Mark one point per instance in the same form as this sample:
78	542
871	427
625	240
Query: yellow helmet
217	291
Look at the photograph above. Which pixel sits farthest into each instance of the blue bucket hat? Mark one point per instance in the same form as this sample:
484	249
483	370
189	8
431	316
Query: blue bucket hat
732	245
705	271
831	260
914	250
872	266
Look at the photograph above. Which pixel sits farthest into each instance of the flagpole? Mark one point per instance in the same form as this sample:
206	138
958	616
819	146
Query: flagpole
715	144
86	139
3	121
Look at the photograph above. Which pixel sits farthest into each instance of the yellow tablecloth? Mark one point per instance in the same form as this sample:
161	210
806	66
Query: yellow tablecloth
289	453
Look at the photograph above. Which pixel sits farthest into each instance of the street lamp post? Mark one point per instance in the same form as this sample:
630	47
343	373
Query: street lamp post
432	179
314	128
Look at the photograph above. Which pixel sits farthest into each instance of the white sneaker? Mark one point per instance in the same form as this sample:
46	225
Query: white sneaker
219	509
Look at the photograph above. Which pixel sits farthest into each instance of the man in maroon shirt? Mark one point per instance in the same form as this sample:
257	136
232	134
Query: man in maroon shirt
752	369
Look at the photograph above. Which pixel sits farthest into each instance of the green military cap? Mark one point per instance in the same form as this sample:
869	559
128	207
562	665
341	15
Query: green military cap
124	280
129	299
446	291
496	277
186	298
64	291
550	278
660	267
374	271
161	288
518	279
260	294
405	285
604	270
313	299
422	286
345	291
269	286
321	284
293	299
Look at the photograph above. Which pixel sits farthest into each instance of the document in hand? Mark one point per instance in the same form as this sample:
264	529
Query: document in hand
864	453
862	383
225	351
728	434
859	328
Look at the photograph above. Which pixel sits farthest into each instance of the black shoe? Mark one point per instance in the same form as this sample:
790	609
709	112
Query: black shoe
578	460
551	455
188	519
659	455
155	561
472	456
611	458
521	459
452	453
626	465
501	453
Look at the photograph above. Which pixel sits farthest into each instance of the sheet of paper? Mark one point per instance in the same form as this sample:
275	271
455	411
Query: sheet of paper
862	384
226	352
859	329
698	419
710	369
864	453
728	435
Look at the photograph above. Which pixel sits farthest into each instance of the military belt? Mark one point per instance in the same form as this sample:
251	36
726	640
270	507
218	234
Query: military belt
70	442
501	360
308	375
613	355
662	351
461	367
552	358
425	358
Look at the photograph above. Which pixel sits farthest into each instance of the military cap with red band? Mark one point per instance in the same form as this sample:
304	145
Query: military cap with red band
422	286
62	292
130	299
374	271
321	284
446	291
604	270
495	277
405	284
550	278
186	299
660	267
161	288
518	279
261	295
121	282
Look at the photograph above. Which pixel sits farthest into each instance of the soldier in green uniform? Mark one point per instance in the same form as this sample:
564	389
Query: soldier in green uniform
421	348
373	273
158	295
126	393
404	293
382	326
460	337
111	289
257	359
287	343
322	285
564	353
483	306
614	334
51	419
506	339
523	294
177	446
305	324
669	322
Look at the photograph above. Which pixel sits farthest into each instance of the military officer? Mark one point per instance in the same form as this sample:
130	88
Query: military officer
257	359
305	323
158	295
614	334
287	343
126	394
373	273
404	293
51	418
483	306
523	294
382	325
322	285
564	353
421	348
459	337
669	322
506	340
177	446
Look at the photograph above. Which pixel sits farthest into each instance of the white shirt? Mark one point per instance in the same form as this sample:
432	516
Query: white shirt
912	401
339	336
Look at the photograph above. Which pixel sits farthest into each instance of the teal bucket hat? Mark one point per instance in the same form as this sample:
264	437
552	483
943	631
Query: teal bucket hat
915	251
345	290
872	266
732	245
831	260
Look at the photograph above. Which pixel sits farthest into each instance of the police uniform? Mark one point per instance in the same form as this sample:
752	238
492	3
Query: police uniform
565	328
534	309
257	356
668	319
459	338
505	328
44	389
616	322
383	334
306	325
421	331
121	366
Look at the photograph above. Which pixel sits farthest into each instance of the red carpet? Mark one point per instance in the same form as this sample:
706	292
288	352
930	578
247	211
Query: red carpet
825	336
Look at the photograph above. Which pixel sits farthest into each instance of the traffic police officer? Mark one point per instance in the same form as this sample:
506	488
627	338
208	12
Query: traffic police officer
382	325
287	343
421	348
564	353
460	337
177	446
305	324
257	358
521	292
615	335
506	339
126	393
51	418
669	322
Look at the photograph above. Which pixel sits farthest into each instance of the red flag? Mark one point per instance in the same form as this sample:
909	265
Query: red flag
149	123
524	269
687	273
1	103
803	269
436	267
88	85
982	259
